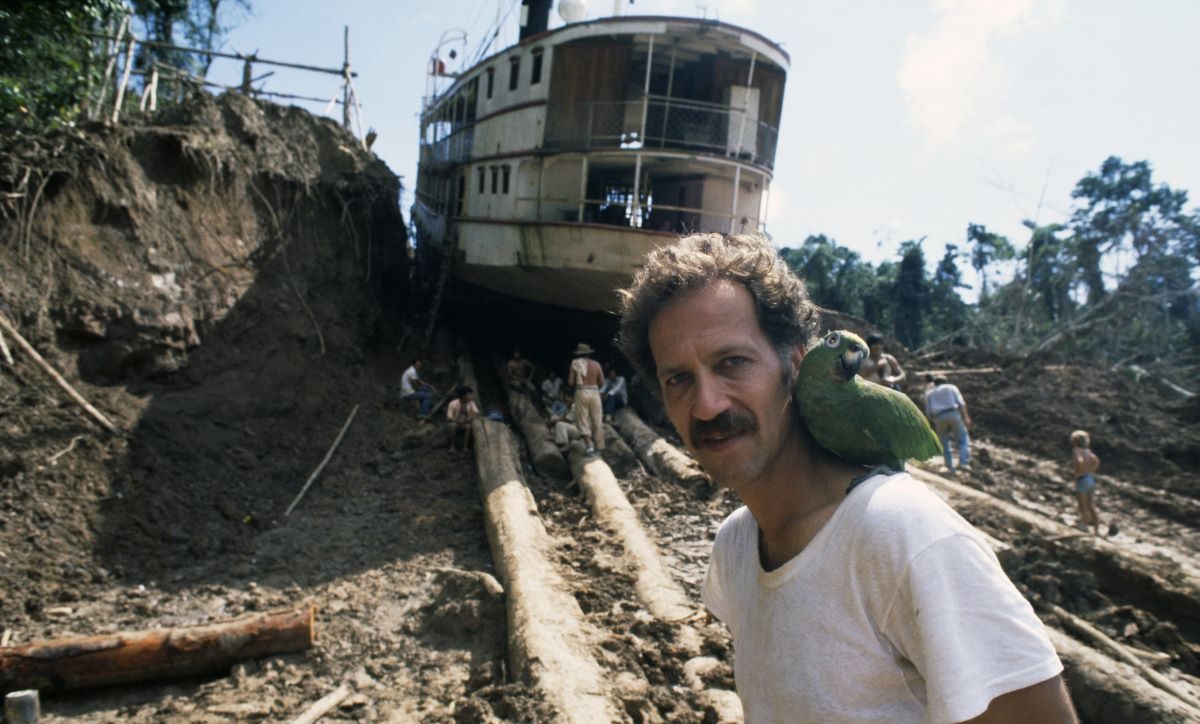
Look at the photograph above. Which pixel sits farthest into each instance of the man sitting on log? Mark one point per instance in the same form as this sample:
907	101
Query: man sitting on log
852	594
460	413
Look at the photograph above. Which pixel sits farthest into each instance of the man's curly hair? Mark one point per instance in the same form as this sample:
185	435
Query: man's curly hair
785	312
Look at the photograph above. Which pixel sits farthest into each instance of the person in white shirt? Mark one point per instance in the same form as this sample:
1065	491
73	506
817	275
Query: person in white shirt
947	410
852	594
615	393
551	388
460	413
412	387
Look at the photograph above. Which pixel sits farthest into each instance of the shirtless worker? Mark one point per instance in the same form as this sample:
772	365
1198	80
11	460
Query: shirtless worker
881	367
586	377
852	594
1086	463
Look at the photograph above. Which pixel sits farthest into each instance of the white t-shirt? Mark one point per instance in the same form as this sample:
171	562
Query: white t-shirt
408	381
897	611
943	397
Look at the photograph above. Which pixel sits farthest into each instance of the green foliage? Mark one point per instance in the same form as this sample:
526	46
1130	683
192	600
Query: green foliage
988	247
45	58
910	295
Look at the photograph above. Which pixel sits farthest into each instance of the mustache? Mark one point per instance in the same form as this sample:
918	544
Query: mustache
727	423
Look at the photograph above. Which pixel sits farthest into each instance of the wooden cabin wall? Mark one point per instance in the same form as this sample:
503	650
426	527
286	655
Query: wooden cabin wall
769	80
584	72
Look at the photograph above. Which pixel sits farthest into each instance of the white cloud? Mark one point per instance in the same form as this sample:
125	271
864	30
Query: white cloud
952	76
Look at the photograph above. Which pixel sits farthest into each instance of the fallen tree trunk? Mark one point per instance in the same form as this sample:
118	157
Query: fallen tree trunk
548	644
658	591
1136	576
545	455
156	654
660	456
617	453
1106	691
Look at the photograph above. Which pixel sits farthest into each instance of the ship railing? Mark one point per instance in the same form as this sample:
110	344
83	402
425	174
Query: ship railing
455	148
664	123
647	215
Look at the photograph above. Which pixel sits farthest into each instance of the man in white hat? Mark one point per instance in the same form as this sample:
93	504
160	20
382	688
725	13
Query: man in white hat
587	377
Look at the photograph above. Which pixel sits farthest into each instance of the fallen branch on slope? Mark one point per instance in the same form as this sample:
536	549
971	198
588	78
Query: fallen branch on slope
324	462
58	379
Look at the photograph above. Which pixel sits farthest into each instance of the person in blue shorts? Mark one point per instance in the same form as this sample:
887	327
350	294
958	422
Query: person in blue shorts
1085	464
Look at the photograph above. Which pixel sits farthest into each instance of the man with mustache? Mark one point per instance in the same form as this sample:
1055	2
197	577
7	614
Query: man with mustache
851	594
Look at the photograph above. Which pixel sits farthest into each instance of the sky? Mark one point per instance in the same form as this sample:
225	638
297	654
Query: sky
902	119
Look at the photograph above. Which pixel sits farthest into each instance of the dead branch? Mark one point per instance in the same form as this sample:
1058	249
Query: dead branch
48	369
323	706
1084	628
278	229
53	459
324	462
4	351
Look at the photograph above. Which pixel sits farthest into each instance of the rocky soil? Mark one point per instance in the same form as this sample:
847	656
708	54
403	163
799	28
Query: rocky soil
228	281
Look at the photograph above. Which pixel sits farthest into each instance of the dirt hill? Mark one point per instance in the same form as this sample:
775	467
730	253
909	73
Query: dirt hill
227	281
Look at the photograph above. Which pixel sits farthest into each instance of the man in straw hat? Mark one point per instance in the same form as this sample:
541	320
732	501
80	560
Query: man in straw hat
587	377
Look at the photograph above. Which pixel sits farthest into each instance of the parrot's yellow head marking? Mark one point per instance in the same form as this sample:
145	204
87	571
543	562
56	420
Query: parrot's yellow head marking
837	357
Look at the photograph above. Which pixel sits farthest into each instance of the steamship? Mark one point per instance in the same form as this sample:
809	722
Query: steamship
549	169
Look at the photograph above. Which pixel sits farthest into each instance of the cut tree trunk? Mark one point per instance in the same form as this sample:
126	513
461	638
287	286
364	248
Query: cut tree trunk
660	456
156	654
617	453
656	588
549	645
538	438
1137	577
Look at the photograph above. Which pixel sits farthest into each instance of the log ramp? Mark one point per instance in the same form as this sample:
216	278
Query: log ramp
1112	690
657	590
549	645
659	456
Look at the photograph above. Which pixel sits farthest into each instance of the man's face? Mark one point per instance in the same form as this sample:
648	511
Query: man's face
876	349
723	382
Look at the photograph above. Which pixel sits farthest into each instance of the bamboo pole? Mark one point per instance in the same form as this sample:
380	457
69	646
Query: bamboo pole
124	79
78	398
324	462
124	658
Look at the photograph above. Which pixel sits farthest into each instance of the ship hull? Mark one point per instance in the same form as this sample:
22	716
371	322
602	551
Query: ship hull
578	266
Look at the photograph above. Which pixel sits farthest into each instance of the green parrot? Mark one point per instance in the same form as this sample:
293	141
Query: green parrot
858	421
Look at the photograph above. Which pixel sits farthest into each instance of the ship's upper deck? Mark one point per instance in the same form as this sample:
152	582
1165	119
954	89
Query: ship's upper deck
638	83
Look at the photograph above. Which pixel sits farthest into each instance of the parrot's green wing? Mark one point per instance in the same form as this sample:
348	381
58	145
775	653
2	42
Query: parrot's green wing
856	420
892	420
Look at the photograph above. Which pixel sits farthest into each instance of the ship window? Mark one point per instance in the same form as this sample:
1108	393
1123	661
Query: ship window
491	84
462	192
482	178
495	177
504	173
514	72
535	74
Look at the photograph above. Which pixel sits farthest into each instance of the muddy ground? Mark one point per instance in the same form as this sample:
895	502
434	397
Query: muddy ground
229	315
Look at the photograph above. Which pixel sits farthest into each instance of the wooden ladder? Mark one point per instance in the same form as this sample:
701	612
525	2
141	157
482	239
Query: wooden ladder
439	292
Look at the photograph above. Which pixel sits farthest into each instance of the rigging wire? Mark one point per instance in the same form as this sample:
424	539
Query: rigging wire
489	38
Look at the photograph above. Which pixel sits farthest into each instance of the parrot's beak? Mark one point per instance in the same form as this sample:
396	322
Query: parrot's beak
851	360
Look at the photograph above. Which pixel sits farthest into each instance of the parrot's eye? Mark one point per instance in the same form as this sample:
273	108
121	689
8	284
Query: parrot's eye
833	339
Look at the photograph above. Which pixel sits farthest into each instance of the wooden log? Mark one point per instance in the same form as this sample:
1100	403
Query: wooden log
660	456
538	438
323	706
617	453
28	349
125	658
1106	691
549	646
1083	628
656	588
1115	568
